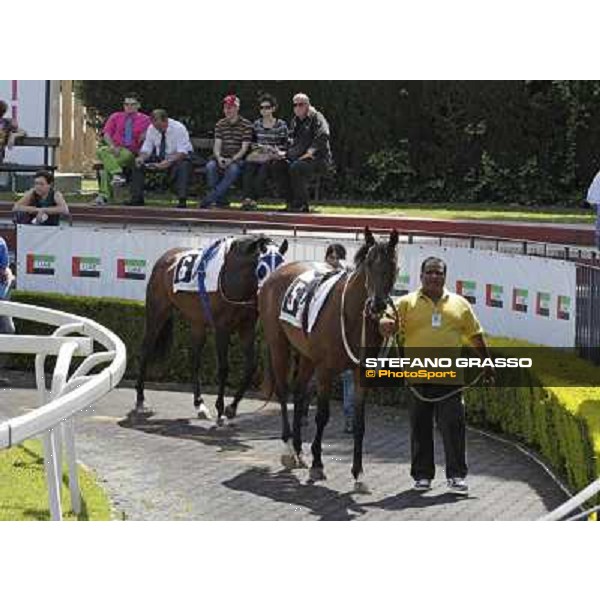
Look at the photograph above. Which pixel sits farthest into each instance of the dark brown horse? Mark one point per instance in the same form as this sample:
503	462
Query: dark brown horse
233	309
348	321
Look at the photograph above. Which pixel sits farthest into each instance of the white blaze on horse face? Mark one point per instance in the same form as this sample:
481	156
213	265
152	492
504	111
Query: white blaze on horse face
267	263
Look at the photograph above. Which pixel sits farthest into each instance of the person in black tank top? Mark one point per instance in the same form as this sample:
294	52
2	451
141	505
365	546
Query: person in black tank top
42	205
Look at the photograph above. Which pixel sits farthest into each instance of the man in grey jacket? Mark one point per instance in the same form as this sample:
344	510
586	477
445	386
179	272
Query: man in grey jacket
308	154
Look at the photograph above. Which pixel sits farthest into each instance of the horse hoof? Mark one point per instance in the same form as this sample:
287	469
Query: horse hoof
230	411
221	421
300	463
141	413
316	474
288	461
203	412
360	487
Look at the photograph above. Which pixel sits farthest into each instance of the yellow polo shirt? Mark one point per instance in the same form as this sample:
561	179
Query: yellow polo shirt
455	322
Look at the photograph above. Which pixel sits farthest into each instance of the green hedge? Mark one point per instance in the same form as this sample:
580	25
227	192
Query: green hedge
561	423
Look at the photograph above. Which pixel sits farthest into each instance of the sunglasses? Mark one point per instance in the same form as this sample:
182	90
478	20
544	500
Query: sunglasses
265	107
299	103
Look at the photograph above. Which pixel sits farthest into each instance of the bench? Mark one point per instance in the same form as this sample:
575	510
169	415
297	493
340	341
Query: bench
35	142
203	148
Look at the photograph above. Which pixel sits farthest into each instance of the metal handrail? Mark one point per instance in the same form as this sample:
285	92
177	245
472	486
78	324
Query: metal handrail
53	419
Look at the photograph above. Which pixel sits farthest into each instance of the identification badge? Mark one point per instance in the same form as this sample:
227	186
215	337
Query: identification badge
436	319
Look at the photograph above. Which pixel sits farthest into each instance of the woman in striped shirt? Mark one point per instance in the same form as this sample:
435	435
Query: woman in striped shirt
270	143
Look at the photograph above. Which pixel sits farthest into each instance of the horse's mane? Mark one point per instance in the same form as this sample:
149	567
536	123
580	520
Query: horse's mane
240	244
361	254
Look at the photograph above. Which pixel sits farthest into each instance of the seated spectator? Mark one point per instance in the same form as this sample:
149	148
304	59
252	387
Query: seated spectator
6	278
123	133
167	148
9	131
270	143
233	136
308	154
42	205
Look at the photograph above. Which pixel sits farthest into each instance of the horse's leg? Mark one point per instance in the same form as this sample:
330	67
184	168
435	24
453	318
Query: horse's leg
278	350
317	473
198	341
304	373
359	432
247	339
222	339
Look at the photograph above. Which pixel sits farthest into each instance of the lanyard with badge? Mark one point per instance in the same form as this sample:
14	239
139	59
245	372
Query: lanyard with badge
436	319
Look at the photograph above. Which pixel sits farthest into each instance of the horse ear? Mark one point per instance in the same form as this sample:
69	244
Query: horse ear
284	247
369	237
393	238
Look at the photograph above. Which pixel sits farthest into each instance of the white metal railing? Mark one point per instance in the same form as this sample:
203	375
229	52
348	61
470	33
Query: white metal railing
572	504
53	419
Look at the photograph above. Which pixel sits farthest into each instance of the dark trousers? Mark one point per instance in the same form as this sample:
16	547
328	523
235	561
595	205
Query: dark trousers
293	177
255	178
179	173
450	418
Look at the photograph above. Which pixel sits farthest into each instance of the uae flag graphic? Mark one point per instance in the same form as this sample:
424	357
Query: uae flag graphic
128	268
467	290
563	308
85	266
494	295
520	300
402	285
542	304
40	264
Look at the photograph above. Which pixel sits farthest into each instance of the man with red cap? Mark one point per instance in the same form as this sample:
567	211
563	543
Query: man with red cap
233	136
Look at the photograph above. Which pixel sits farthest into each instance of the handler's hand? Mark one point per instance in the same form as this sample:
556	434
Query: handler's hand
489	375
387	327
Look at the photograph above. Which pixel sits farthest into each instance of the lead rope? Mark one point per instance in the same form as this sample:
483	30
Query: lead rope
396	338
363	334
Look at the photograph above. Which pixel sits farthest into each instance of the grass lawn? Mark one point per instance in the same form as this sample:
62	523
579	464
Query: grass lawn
493	212
23	492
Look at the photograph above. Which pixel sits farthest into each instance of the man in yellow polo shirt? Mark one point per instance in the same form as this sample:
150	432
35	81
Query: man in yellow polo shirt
433	317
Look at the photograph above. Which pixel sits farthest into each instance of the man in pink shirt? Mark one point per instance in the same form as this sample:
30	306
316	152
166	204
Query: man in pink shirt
123	134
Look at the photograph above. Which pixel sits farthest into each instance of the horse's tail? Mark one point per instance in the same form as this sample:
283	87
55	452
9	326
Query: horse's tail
158	336
268	383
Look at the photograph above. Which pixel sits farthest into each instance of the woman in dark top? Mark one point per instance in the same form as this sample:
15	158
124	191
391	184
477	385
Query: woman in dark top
41	205
270	143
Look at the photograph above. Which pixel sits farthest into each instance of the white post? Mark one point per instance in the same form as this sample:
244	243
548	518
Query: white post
52	478
68	428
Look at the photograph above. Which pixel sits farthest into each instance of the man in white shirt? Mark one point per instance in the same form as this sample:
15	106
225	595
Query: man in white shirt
166	148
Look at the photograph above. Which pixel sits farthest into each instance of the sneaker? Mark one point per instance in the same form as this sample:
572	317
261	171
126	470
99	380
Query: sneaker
457	485
99	200
422	485
118	180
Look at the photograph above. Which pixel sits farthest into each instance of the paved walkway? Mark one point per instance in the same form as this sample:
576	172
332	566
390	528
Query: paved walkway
176	467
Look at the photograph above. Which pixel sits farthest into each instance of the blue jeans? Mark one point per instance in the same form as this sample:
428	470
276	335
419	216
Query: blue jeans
219	180
347	378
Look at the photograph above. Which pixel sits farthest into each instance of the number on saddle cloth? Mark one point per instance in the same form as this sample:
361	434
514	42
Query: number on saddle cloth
185	268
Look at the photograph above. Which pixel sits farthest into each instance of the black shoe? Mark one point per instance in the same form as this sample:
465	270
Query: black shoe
182	204
132	203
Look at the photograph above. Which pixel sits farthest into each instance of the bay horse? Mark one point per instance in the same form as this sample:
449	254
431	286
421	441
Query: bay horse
349	321
233	309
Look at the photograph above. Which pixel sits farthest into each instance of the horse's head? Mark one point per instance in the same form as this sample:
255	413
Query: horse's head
380	264
254	258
